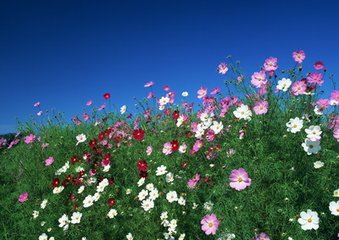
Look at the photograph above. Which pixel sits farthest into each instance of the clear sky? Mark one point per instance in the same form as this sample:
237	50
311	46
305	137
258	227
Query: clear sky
65	52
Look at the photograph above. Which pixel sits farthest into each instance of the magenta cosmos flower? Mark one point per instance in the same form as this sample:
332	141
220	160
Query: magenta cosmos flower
299	56
239	179
23	197
318	65
210	224
271	64
29	139
49	161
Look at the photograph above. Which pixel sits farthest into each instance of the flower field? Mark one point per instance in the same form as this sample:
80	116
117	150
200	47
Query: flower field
257	160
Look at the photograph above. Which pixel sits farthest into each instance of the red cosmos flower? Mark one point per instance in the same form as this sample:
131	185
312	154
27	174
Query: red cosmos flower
73	160
81	173
142	165
71	197
107	96
64	182
101	136
55	182
138	134
175	145
111	202
143	174
175	114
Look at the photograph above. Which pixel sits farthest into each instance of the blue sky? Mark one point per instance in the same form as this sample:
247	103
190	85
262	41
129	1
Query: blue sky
63	53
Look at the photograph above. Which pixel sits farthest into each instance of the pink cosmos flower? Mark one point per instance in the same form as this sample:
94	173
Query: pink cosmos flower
29	139
239	179
318	65
210	135
85	116
258	79
299	56
150	95
210	224
166	88
316	78
202	92
323	103
215	91
192	183
149	150
102	107
167	149
299	88
37	104
149	84
197	145
334	100
23	197
261	107
89	103
49	161
262	236
222	68
271	64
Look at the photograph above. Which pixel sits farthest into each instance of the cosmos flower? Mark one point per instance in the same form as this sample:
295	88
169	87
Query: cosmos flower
239	179
23	197
222	68
258	79
299	56
149	84
284	84
210	224
309	220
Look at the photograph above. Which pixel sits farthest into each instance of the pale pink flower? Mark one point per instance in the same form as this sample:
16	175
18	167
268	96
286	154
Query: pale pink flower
299	56
202	92
239	179
149	84
167	149
149	150
85	116
210	224
89	103
49	161
44	145
192	183
222	68
29	139
261	107
102	107
334	100
150	95
323	103
23	197
258	79
39	113
299	88
215	91
271	64
197	145
37	104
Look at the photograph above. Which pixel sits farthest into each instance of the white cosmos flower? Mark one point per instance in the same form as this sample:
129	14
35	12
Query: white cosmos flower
147	204
96	196
43	203
35	214
334	208
161	170
172	196
182	236
182	148
313	133
123	109
164	215
63	222
180	120
141	182
88	201
309	220
81	189
284	84
217	127
58	190
182	201
311	147
43	236
129	236
76	217
154	194
163	101
169	177
81	138
112	213
150	186
143	194
294	125
243	112
336	193
318	164
184	94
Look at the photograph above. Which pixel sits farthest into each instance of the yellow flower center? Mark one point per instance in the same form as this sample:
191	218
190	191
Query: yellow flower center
240	179
210	224
309	220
